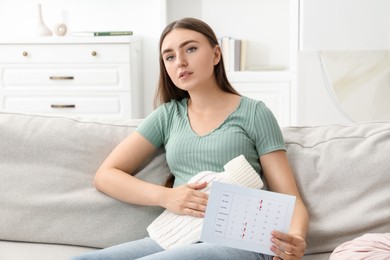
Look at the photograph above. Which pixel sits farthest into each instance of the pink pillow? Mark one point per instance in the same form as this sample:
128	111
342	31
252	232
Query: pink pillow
369	246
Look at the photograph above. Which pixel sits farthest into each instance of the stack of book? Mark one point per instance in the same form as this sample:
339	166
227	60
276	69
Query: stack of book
233	53
107	33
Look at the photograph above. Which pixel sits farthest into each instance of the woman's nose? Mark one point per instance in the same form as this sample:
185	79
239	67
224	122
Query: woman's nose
181	61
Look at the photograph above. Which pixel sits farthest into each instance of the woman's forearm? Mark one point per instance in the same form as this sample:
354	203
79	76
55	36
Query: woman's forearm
300	219
185	199
127	188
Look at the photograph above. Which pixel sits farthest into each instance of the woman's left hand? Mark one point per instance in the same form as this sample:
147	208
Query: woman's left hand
287	246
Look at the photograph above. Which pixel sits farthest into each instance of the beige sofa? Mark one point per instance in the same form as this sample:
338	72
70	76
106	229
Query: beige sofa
50	210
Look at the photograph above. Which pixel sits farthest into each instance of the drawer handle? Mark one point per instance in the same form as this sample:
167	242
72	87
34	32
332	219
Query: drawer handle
61	78
94	53
25	53
63	106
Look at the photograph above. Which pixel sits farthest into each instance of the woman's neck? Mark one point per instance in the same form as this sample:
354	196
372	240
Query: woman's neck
210	101
206	113
205	100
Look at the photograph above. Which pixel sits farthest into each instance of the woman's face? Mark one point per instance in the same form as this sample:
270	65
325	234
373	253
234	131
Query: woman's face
189	59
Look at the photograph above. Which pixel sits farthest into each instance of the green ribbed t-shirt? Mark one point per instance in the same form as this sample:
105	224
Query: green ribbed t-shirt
251	130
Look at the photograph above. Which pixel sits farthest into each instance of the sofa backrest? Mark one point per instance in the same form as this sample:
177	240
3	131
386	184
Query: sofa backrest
343	174
47	166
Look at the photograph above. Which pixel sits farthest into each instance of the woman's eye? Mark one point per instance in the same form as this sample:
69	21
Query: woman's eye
169	58
191	49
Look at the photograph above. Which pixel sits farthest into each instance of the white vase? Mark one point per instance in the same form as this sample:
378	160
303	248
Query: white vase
41	28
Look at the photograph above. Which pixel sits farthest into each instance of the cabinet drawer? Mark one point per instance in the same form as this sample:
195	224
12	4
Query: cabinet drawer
64	53
70	105
65	76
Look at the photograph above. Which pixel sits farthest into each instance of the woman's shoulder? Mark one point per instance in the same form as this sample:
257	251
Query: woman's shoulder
255	110
166	112
251	104
174	103
161	119
172	106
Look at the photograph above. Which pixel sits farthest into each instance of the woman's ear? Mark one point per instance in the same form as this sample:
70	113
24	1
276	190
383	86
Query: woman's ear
217	54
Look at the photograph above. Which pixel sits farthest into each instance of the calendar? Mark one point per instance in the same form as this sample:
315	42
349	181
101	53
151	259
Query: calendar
243	218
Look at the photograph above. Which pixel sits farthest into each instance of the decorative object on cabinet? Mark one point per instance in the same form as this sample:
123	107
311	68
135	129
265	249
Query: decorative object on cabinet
42	29
87	76
60	29
108	33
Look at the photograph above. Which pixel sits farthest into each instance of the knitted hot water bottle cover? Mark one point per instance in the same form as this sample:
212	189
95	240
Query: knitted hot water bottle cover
171	230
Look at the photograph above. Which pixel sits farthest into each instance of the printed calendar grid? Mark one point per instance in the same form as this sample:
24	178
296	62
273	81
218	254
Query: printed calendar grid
244	218
250	219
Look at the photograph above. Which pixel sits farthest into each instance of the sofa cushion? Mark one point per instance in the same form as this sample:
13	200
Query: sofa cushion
343	173
38	251
47	166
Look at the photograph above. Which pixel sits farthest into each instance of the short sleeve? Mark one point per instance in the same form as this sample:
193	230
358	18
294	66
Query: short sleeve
267	133
153	127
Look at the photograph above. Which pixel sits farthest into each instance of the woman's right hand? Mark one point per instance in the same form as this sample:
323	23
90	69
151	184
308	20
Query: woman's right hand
187	199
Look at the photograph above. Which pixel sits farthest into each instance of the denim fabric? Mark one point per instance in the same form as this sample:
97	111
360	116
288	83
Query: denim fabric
147	249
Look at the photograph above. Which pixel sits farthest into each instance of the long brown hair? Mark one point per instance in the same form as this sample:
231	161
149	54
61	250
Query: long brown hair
167	90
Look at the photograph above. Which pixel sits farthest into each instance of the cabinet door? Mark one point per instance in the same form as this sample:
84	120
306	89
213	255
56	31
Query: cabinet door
276	96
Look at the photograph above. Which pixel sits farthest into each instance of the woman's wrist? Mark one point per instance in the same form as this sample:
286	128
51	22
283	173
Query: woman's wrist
161	194
297	234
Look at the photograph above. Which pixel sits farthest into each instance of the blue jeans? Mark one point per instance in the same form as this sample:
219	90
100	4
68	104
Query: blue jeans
147	249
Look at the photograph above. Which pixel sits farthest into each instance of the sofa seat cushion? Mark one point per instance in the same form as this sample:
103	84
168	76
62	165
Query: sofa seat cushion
47	165
343	173
36	251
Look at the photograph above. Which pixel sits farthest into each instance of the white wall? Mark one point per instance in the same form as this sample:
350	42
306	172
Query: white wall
145	18
340	25
344	24
315	102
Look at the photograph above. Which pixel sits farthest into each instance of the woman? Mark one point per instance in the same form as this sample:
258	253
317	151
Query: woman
200	111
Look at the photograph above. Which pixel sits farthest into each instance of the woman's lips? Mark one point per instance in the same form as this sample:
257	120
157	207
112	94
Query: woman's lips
184	75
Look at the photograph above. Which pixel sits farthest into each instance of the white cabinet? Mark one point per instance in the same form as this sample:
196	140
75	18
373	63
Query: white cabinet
270	30
83	76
